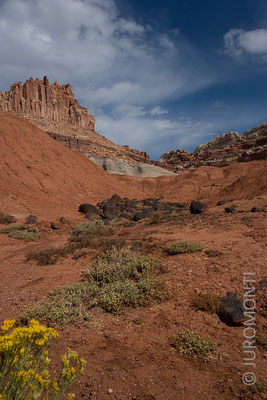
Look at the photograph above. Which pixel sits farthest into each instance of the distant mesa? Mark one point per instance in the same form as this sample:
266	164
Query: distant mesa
40	99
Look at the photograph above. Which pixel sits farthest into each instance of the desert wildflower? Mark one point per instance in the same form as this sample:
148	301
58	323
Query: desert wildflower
24	364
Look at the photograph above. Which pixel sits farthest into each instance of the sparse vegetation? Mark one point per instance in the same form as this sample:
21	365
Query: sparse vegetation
213	253
6	219
22	232
194	345
84	235
206	302
183	247
118	278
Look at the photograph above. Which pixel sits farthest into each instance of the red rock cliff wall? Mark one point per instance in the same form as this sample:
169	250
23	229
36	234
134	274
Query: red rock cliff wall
41	99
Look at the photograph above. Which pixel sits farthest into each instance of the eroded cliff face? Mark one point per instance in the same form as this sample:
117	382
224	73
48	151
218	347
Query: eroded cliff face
40	99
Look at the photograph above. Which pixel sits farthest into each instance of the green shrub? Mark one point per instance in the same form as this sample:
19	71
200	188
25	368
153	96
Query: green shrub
24	372
22	232
119	264
84	232
68	304
6	219
193	345
182	247
213	253
206	302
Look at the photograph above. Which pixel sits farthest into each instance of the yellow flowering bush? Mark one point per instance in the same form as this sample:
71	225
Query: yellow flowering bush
24	361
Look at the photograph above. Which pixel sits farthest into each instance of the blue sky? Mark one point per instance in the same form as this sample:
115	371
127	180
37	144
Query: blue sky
157	75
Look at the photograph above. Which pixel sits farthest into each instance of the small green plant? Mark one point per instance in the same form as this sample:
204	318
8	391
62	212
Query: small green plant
24	362
213	253
193	345
206	302
182	247
6	219
22	232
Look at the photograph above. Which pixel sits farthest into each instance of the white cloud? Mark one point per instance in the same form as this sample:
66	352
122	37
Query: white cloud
123	71
157	110
239	42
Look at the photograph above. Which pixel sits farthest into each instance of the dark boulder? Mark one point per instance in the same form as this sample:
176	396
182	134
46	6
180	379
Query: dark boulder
110	211
63	220
221	202
197	207
255	209
31	219
142	214
115	199
54	225
105	202
230	210
231	310
88	209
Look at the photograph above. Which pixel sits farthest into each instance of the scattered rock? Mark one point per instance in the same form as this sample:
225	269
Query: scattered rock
63	220
197	207
110	391
31	219
231	310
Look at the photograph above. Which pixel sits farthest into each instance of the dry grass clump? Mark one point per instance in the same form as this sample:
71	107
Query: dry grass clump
118	278
213	253
22	232
6	219
50	255
194	345
206	302
182	247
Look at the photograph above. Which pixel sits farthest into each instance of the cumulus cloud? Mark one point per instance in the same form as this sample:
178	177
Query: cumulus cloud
122	70
239	42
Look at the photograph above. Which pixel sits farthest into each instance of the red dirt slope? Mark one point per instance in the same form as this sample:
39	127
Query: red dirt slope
40	176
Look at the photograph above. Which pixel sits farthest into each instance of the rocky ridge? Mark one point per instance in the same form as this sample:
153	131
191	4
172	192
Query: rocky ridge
221	151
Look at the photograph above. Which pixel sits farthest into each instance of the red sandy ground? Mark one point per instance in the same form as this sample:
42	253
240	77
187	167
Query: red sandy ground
131	353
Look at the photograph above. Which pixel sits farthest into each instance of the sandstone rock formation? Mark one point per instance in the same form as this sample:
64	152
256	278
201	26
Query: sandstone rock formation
38	98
